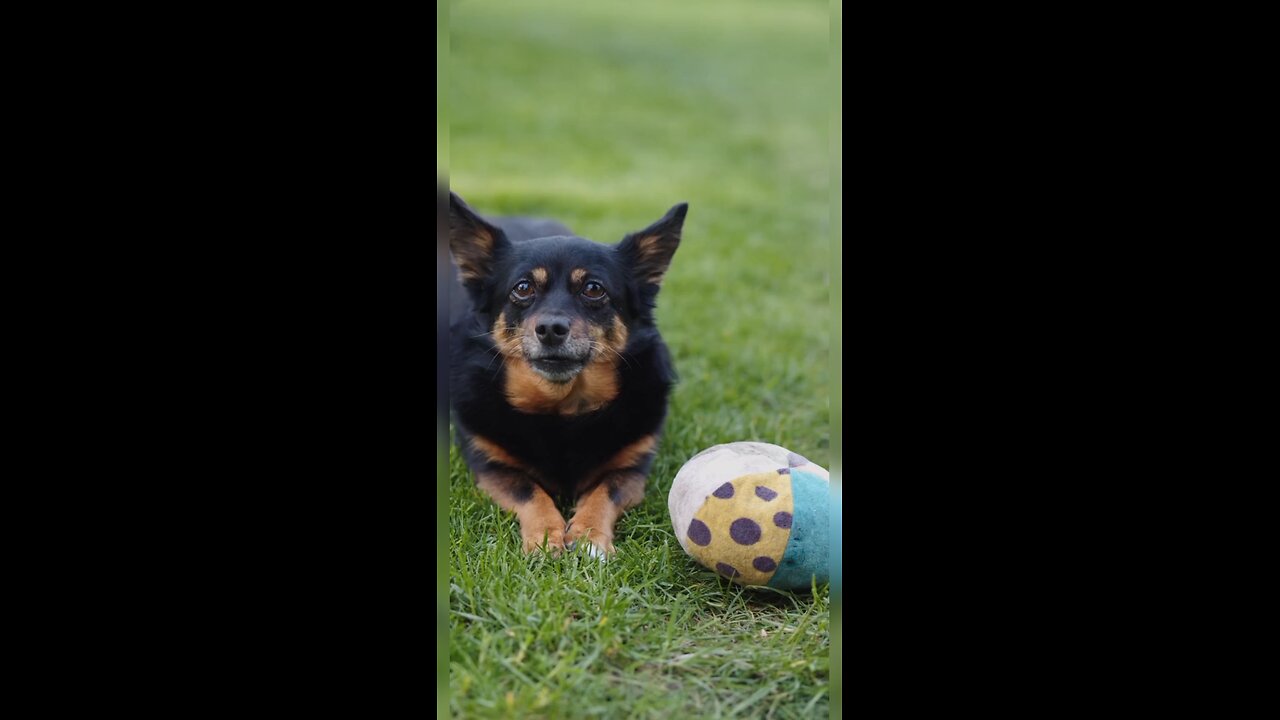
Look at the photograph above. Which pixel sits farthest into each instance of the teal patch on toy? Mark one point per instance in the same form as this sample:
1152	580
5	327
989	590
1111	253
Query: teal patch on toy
808	549
755	513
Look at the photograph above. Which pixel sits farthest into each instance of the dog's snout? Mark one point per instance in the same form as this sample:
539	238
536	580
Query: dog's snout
553	330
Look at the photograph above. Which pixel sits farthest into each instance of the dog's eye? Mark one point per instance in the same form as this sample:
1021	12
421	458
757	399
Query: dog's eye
593	290
522	291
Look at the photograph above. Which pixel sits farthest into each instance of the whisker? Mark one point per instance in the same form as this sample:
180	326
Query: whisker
595	345
500	351
500	366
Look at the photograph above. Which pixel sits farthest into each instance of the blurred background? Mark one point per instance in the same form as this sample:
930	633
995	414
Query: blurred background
603	115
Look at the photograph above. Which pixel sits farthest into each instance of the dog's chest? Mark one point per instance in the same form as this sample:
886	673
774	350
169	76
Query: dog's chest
569	451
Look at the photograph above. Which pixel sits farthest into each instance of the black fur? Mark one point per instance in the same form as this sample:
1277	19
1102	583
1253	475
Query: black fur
564	451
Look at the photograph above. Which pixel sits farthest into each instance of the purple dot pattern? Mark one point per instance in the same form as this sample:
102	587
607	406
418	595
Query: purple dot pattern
737	541
795	460
745	531
700	533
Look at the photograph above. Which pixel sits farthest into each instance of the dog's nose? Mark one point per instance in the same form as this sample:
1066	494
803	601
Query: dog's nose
553	330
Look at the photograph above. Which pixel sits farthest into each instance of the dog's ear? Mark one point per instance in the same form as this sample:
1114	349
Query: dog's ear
476	244
649	251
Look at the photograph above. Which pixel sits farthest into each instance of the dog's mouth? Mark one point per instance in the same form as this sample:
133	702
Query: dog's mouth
558	368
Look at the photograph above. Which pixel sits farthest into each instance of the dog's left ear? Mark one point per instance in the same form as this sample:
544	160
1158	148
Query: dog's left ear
649	251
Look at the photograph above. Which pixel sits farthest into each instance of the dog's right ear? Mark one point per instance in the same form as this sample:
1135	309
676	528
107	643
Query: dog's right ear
475	244
649	251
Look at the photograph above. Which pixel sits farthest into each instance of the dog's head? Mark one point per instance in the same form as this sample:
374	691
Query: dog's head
561	303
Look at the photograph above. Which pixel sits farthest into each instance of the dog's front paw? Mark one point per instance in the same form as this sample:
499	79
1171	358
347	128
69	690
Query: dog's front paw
549	536
599	544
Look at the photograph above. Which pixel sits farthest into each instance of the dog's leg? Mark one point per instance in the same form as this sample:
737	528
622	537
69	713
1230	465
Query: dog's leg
540	523
600	507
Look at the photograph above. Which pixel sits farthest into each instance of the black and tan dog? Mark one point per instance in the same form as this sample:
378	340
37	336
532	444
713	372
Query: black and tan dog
559	379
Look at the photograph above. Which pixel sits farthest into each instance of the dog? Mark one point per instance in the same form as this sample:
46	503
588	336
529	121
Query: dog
559	378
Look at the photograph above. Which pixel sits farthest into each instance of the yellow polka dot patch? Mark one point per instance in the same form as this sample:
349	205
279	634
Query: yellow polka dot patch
742	528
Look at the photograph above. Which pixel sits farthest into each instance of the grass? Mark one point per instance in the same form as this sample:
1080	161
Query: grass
604	115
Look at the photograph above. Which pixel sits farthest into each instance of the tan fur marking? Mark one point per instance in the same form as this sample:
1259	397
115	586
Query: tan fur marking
647	246
614	336
595	387
495	453
593	519
527	391
540	277
501	333
596	513
575	279
619	339
625	459
628	456
539	519
473	257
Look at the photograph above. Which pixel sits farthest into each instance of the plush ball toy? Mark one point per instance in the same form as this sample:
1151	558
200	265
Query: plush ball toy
756	513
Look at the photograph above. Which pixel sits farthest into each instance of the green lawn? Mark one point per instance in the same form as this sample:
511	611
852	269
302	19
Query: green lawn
603	115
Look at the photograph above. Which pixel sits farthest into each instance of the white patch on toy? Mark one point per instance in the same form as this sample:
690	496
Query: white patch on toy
696	480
